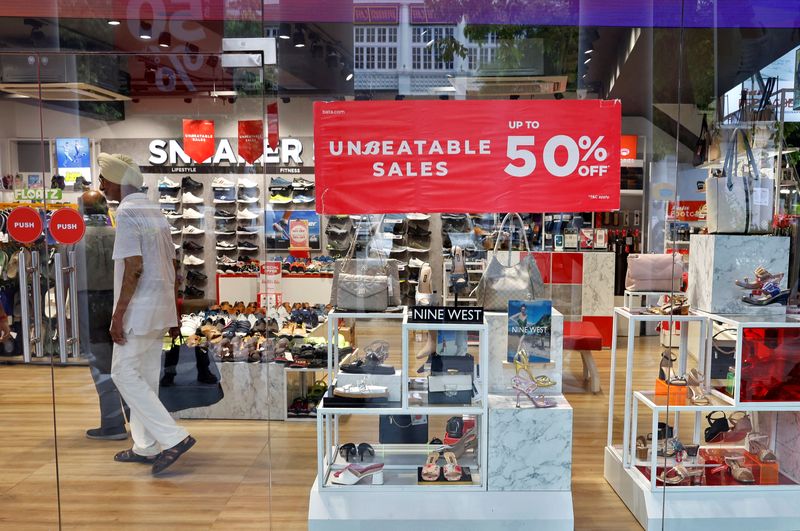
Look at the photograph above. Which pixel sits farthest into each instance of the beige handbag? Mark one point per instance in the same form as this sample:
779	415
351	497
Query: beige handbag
365	284
654	272
500	284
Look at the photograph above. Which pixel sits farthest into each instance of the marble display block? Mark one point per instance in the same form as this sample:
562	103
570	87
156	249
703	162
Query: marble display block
253	391
391	381
597	298
501	371
716	261
530	448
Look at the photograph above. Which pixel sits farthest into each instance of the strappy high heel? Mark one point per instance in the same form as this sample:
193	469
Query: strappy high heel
521	366
424	295
694	379
717	425
678	474
758	445
666	372
528	387
739	473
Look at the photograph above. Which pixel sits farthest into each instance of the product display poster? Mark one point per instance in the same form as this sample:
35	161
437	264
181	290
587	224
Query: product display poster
198	139
73	159
279	228
529	329
467	156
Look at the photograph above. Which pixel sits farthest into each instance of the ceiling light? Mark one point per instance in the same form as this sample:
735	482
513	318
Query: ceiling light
586	62
164	40
430	43
298	39
587	52
145	31
347	73
113	22
222	93
285	31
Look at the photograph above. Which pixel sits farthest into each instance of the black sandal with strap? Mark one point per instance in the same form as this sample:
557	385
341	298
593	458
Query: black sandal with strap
170	455
129	456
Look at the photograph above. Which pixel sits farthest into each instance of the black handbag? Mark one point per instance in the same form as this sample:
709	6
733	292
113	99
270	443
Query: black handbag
723	355
703	142
447	364
403	429
188	378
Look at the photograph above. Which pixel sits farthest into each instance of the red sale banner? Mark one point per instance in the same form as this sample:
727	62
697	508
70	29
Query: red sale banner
272	125
251	139
198	139
687	211
467	156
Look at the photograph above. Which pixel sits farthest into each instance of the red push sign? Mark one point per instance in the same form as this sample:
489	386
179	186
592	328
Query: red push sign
67	226
24	225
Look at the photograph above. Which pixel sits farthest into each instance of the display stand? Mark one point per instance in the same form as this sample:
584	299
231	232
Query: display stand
503	491
716	499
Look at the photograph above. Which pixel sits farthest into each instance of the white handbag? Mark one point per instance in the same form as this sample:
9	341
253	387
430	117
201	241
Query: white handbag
739	202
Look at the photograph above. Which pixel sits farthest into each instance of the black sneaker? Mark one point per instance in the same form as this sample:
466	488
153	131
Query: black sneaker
195	276
192	292
190	184
192	246
247	246
223	214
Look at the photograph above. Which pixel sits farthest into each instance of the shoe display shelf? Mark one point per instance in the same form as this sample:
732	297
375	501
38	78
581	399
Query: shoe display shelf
401	461
767	351
521	470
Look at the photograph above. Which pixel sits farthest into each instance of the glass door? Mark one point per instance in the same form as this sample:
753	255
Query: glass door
28	486
166	420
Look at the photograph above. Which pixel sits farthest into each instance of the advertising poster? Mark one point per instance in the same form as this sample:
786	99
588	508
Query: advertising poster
251	140
279	228
438	156
269	285
73	159
298	234
451	343
529	329
198	139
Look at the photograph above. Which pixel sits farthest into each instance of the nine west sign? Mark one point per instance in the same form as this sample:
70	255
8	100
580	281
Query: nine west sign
163	152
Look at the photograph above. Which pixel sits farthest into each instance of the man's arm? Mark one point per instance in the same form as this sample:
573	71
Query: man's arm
130	280
5	330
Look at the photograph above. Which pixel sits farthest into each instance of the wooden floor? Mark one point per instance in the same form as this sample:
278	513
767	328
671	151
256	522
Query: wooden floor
240	475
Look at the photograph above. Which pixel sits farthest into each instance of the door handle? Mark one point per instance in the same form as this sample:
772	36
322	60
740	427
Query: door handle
24	303
73	302
61	317
34	270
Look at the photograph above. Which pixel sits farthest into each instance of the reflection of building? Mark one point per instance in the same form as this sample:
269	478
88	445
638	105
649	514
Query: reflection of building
397	49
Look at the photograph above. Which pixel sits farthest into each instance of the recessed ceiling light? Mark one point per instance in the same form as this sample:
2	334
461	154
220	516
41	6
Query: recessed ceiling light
113	22
587	52
586	62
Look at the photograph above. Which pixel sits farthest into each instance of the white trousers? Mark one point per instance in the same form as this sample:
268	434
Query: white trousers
135	369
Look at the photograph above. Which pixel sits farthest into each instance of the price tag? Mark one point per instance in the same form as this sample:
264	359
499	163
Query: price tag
761	196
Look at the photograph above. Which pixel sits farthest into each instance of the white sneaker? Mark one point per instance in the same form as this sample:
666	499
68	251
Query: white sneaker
248	200
172	214
418	216
191	230
166	182
193	260
168	199
221	182
177	246
244	182
416	263
174	231
189	324
190	213
225	246
190	198
246	214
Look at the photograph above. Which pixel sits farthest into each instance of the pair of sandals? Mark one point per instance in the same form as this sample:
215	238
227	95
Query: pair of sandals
451	471
372	362
765	288
363	449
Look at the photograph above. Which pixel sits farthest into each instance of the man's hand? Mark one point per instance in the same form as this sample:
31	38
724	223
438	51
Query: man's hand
117	331
5	330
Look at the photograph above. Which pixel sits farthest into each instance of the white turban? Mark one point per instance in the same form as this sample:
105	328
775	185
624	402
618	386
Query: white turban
120	169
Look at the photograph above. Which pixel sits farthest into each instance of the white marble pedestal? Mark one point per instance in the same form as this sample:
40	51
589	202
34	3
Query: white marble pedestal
501	371
530	448
253	391
716	261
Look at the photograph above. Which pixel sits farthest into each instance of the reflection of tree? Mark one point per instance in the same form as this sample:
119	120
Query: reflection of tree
516	43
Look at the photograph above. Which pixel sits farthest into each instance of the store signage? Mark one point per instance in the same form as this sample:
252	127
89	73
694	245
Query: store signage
628	147
171	152
66	226
445	314
251	140
467	156
24	224
298	235
198	139
38	194
269	279
687	211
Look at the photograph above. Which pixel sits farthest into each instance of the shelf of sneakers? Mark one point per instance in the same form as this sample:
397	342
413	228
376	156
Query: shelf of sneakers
294	194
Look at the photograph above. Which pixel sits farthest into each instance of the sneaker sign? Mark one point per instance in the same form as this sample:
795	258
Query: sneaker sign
467	156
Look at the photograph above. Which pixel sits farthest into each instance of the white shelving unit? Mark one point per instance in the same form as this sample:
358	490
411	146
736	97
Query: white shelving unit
719	500
401	461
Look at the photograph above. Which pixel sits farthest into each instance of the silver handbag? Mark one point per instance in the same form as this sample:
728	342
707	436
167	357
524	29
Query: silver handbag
500	284
365	284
